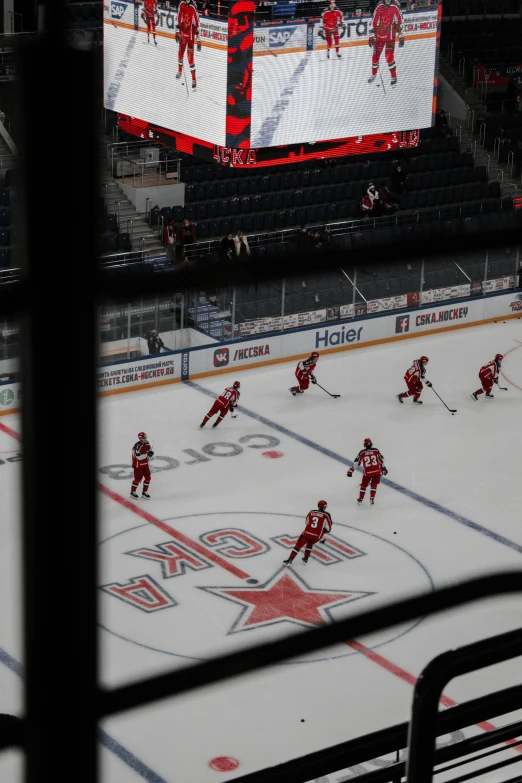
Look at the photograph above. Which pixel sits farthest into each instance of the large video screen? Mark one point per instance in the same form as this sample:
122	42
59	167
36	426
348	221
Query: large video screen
166	64
343	76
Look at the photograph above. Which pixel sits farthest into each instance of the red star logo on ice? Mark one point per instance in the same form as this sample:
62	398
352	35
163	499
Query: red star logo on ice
284	598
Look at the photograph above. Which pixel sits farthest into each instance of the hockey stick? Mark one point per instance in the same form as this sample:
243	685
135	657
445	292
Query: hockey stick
185	78
451	410
382	81
325	390
503	388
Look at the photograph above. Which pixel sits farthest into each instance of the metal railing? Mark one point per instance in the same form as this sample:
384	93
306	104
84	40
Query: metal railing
115	149
147	173
511	163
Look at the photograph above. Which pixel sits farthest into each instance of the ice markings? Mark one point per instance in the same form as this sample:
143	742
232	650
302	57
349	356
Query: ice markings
114	87
270	124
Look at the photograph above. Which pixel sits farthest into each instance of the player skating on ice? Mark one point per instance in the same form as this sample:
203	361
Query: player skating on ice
488	376
187	33
141	453
225	402
386	24
331	21
149	17
318	524
414	377
371	461
304	372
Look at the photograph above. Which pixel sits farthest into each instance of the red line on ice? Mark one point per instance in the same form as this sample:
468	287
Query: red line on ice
193	545
9	431
502	371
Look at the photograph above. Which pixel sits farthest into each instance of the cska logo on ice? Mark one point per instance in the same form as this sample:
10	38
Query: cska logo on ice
516	306
164	581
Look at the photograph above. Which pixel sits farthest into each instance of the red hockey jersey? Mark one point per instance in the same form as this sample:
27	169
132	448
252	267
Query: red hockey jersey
140	453
386	23
371	461
150	7
417	371
318	523
490	370
331	20
188	21
307	366
229	397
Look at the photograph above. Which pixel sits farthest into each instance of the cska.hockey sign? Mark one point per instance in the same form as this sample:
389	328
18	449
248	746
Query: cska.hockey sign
231	156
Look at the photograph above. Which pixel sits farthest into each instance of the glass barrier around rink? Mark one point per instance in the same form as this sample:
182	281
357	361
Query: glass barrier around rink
185	320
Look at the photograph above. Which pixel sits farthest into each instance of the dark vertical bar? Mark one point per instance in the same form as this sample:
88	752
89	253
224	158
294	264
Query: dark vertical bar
60	99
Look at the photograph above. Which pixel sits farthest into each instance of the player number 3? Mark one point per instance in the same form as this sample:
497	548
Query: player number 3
315	521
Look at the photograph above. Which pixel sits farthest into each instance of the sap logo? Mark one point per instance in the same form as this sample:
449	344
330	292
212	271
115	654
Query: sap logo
117	10
221	357
280	37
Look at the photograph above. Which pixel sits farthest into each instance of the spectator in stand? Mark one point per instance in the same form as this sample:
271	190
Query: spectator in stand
326	236
228	247
303	240
169	240
387	200
441	122
205	8
154	342
398	179
241	244
187	235
315	240
366	206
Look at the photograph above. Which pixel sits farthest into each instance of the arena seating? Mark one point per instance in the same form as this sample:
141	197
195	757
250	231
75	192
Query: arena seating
84	15
6	217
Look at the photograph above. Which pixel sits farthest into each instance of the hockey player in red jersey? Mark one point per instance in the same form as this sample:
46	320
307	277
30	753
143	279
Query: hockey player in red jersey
386	24
149	17
331	21
318	523
141	453
225	402
371	461
414	377
488	376
187	33
304	372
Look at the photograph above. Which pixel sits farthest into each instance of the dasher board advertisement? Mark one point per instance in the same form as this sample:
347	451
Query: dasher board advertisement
344	76
167	65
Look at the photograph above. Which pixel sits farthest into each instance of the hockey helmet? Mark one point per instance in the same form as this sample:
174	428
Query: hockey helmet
322	505
368	443
499	357
236	385
142	435
315	355
424	360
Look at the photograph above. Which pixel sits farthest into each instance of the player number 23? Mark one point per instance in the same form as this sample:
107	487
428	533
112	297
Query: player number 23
370	459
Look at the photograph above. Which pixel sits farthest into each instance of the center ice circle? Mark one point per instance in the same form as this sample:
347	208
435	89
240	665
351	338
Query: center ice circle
223	562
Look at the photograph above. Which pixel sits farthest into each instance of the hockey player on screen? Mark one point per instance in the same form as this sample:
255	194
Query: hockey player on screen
225	402
149	17
187	33
414	377
331	21
318	523
141	453
371	461
386	24
488	376
304	372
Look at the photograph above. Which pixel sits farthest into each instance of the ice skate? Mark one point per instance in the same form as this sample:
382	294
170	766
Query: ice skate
134	494
372	501
474	396
145	495
339	55
178	75
305	560
194	84
393	82
292	389
490	396
148	38
155	42
202	425
400	398
359	501
417	402
372	78
328	54
287	562
215	425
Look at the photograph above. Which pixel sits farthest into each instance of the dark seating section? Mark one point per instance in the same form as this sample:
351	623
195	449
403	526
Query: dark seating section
331	289
84	15
110	238
479	7
6	216
442	183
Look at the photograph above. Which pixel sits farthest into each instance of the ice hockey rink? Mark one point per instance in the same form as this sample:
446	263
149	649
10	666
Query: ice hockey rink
197	570
305	97
140	80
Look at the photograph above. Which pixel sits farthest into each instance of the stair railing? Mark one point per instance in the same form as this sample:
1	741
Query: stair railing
148	202
496	148
482	133
487	159
129	231
511	163
117	212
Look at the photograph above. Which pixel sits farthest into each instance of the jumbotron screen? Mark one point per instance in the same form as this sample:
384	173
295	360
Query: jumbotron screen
167	64
341	76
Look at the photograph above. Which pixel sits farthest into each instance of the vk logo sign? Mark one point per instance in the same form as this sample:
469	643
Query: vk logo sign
278	38
117	10
221	357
